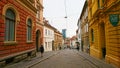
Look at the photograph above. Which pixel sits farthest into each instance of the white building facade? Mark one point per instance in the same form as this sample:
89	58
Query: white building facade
78	33
73	41
48	38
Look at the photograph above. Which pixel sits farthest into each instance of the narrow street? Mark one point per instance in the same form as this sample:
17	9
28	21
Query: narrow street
39	33
65	59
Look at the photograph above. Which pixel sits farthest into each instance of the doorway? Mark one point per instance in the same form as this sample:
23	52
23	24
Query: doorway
102	40
53	45
37	40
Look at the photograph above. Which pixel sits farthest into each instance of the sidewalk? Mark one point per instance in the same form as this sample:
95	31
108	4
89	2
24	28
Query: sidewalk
28	63
98	63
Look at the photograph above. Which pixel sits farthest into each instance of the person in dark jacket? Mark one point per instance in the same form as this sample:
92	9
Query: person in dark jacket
78	47
41	50
77	44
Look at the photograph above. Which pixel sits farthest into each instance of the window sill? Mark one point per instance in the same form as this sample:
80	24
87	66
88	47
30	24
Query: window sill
29	42
10	43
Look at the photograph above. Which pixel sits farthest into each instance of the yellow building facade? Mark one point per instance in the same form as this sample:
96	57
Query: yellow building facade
104	30
58	38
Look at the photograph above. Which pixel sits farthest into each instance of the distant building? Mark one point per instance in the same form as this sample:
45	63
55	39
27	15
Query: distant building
52	37
84	28
58	37
48	36
78	34
64	33
67	42
73	41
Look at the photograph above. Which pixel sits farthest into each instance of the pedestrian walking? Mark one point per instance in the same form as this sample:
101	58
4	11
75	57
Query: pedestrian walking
41	50
77	46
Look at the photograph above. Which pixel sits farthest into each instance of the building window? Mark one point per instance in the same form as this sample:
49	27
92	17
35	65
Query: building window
90	12
45	31
10	25
103	1
46	45
48	32
98	3
29	30
38	13
92	35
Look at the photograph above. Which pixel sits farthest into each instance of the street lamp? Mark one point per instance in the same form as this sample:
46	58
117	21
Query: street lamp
65	17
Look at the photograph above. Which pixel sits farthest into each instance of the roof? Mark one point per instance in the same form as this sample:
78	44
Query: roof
73	38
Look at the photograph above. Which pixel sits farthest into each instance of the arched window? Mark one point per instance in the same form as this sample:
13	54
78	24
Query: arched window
10	25
29	30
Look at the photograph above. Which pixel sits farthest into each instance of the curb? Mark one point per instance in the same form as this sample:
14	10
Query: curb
94	63
29	66
85	58
89	60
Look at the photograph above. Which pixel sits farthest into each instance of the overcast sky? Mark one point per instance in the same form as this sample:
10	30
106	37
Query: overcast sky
54	12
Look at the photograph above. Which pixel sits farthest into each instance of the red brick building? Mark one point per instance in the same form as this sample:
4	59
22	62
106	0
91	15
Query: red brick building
17	29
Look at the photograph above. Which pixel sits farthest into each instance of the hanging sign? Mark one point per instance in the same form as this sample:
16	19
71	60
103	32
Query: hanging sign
114	19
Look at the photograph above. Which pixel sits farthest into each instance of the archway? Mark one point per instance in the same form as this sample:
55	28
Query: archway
37	40
102	40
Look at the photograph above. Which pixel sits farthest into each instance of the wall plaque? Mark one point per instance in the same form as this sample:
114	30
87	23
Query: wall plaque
114	19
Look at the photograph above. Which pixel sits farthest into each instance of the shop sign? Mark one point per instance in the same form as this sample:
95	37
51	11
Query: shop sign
114	19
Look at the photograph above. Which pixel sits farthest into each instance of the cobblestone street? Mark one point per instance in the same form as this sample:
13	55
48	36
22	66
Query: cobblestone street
68	59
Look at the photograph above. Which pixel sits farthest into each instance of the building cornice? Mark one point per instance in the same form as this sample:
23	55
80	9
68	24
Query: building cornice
41	6
108	8
40	23
27	5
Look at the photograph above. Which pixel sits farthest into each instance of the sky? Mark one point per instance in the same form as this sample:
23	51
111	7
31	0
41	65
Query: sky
55	11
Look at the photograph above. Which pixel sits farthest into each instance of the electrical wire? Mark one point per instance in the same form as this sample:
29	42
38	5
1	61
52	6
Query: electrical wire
65	8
